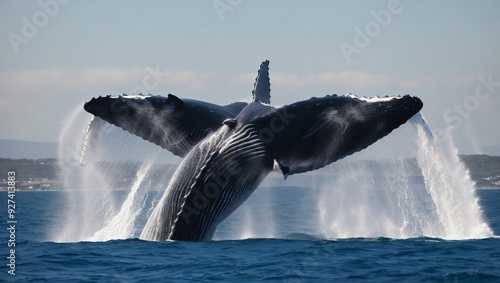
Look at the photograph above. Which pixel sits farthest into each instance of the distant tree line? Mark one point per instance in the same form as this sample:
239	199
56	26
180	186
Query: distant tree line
29	169
484	169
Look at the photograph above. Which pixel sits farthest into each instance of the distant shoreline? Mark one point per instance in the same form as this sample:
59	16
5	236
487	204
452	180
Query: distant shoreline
2	190
43	175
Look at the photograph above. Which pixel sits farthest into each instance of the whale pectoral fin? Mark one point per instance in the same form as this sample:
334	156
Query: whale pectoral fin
311	134
170	122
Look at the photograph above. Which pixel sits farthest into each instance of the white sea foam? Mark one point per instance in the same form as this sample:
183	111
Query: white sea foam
390	196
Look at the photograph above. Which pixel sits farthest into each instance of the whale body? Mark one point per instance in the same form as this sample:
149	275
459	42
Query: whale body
228	150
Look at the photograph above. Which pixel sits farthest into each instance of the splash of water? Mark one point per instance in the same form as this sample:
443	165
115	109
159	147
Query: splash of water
81	218
451	188
105	182
398	197
122	225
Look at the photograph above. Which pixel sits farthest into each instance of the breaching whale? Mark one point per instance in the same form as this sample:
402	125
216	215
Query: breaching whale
228	150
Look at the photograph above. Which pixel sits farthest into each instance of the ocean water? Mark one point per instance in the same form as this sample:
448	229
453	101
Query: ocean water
294	253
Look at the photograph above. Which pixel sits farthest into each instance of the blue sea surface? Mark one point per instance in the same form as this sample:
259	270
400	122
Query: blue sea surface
291	257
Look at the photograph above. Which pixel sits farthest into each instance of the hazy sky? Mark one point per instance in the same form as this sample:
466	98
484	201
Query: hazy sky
55	55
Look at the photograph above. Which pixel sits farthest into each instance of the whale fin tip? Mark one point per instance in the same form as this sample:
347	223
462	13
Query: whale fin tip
283	169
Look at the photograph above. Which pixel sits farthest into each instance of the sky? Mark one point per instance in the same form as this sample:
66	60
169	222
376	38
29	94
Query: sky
57	54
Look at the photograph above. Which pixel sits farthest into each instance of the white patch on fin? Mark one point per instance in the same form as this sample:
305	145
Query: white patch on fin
373	99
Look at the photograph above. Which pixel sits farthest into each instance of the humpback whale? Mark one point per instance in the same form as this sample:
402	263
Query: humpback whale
228	150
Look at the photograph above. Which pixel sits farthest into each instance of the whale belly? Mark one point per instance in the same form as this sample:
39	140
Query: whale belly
217	176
